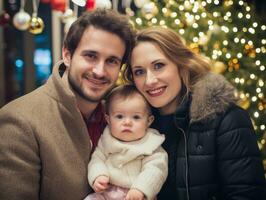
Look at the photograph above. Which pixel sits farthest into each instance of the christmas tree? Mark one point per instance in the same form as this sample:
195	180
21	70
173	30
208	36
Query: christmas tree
230	34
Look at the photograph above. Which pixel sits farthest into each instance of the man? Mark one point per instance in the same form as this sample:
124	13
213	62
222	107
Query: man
47	136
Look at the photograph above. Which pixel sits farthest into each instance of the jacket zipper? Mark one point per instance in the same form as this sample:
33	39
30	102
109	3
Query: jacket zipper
186	164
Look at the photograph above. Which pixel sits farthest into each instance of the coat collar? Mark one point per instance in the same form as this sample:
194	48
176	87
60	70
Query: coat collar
211	95
125	152
57	89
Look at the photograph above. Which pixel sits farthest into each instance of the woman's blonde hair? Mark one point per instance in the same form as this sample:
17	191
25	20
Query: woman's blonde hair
191	66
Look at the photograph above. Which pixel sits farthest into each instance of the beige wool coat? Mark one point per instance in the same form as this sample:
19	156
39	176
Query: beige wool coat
44	145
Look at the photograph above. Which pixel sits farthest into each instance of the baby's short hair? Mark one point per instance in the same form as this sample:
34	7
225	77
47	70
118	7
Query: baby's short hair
124	91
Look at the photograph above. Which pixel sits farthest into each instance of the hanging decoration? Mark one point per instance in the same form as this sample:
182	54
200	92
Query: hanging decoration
90	4
81	3
67	14
21	19
4	18
140	3
36	23
103	4
149	10
58	5
69	21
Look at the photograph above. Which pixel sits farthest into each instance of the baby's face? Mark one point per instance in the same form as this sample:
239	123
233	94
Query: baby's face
129	118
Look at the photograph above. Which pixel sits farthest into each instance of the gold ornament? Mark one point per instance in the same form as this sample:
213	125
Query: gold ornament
250	51
36	25
218	67
233	64
244	102
149	10
217	45
194	47
21	20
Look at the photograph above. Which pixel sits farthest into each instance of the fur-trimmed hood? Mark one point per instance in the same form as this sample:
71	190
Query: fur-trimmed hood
211	95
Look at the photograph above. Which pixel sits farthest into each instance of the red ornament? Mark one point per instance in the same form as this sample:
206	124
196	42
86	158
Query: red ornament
90	4
4	18
59	5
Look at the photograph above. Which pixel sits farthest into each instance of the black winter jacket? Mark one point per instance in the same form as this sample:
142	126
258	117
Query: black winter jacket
212	147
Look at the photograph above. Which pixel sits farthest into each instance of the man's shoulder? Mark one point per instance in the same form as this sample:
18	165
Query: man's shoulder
24	103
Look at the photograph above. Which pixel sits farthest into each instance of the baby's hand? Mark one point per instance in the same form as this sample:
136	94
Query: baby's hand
101	183
134	194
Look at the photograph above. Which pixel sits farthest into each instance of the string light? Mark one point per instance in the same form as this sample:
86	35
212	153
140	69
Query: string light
252	76
254	98
239	55
216	2
154	20
256	114
258	90
255	24
236	40
204	15
177	21
203	3
240	15
261	83
139	21
181	31
173	14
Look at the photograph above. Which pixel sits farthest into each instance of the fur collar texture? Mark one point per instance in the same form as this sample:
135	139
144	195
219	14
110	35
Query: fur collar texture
211	95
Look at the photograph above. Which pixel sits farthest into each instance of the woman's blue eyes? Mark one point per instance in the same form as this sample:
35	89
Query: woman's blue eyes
138	72
156	66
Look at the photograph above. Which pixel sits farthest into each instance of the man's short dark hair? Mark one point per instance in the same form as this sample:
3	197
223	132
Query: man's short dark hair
107	20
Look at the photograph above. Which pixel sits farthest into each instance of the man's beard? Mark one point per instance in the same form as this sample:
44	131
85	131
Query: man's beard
78	90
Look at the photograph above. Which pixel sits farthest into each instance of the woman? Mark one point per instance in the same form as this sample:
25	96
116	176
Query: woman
210	141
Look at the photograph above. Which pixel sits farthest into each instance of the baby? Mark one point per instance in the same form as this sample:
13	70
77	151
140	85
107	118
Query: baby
129	162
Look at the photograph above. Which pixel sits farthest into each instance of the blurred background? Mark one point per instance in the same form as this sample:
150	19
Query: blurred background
231	33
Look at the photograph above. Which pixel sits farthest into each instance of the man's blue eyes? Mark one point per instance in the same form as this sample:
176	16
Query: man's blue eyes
90	55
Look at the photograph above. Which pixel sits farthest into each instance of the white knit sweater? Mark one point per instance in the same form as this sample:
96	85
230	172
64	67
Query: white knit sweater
139	164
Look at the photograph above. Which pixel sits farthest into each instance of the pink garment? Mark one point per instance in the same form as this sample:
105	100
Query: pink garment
112	193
